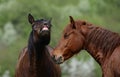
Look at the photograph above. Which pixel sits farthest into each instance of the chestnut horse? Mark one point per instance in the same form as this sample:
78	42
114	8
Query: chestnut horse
35	59
102	44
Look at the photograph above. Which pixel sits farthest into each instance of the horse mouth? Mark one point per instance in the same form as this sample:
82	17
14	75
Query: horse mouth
58	62
45	28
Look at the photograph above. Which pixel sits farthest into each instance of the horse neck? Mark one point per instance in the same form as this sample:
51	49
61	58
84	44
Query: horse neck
98	43
38	55
39	51
35	45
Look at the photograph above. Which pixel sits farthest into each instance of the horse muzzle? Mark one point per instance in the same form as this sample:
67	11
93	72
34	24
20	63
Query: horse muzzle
45	31
58	59
45	28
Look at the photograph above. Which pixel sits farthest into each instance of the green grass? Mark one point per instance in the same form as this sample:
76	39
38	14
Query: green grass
106	16
9	56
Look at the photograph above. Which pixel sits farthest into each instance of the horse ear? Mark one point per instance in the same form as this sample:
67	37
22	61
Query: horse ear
72	22
30	18
50	20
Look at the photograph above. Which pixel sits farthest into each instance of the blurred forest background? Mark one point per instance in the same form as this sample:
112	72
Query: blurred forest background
15	29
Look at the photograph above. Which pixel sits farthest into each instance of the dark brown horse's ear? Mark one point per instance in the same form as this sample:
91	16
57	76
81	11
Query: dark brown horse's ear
50	20
30	18
72	22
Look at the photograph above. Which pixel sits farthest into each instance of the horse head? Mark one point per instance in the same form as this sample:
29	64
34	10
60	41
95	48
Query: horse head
71	42
41	29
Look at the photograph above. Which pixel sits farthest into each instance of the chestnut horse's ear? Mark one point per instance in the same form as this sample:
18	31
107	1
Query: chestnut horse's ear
30	18
72	22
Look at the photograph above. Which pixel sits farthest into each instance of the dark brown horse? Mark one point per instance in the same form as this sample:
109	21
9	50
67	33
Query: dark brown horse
102	44
35	60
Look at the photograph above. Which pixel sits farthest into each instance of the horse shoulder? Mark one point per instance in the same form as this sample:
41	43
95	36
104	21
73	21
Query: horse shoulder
22	64
116	60
111	66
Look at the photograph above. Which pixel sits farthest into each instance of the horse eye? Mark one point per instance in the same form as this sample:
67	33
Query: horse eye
35	27
48	26
66	35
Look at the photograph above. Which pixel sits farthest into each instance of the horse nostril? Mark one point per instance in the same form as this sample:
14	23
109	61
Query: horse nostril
60	59
53	57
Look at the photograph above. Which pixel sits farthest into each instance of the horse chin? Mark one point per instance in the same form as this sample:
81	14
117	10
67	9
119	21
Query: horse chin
45	33
45	41
45	37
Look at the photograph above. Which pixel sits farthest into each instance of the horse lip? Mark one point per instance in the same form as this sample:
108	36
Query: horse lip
59	62
45	28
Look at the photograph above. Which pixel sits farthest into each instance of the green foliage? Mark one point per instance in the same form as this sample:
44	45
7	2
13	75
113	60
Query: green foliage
103	13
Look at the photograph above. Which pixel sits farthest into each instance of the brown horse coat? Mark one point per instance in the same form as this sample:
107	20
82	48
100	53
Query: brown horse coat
47	67
35	59
102	44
